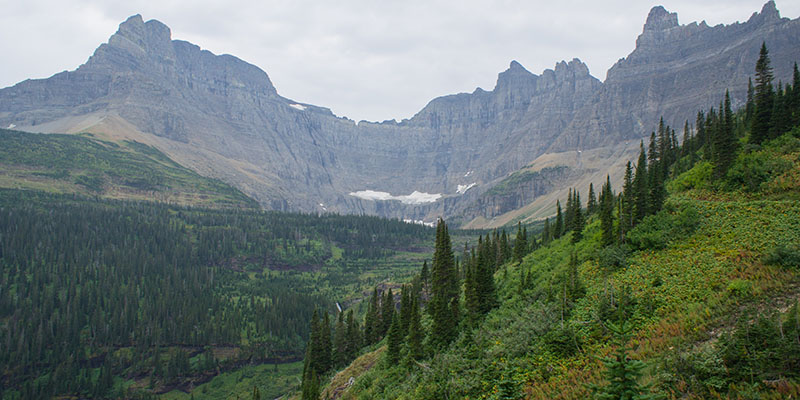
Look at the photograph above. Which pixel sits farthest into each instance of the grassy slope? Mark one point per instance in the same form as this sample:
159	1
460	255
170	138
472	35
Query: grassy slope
686	295
125	170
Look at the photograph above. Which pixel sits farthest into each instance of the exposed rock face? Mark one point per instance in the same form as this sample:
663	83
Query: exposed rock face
223	117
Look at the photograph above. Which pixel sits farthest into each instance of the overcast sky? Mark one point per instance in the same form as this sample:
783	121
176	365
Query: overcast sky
369	59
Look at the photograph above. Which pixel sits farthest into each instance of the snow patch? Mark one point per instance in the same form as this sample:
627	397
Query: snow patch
468	174
11	126
463	188
419	222
413	198
298	107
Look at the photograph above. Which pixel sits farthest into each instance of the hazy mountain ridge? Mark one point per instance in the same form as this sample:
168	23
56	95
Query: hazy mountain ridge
224	118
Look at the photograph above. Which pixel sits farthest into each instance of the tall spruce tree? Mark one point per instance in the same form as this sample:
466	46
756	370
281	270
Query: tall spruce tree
591	203
655	180
520	244
607	213
623	373
558	229
354	339
444	303
762	120
372	320
579	221
340	342
627	203
415	333
387	311
724	142
569	216
641	192
484	279
394	341
546	232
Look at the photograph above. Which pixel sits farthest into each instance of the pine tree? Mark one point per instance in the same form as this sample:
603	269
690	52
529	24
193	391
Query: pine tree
655	179
623	373
444	303
579	222
353	336
405	308
520	244
424	274
795	103
394	341
326	347
591	203
415	333
724	141
256	393
750	106
568	216
607	213
372	320
340	345
387	311
760	130
627	203
546	231
641	193
558	229
484	280
781	113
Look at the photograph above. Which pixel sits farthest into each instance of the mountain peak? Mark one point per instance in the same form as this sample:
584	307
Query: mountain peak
515	75
660	19
768	13
147	36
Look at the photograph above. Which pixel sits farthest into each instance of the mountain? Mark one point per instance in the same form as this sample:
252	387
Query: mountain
223	118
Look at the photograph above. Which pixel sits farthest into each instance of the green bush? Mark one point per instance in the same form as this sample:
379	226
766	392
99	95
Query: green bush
612	258
699	177
788	256
752	170
657	231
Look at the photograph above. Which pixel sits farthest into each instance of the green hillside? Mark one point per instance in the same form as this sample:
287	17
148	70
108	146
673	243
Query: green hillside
127	170
684	284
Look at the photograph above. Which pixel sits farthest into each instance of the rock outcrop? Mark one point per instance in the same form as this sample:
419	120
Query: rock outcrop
224	118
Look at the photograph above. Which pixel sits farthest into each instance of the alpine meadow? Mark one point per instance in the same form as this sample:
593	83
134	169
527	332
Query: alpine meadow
173	228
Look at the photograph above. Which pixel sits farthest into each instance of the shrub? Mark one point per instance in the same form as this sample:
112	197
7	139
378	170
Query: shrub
656	231
699	177
612	258
788	256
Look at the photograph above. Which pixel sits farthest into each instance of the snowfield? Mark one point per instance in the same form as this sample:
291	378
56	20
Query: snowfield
413	198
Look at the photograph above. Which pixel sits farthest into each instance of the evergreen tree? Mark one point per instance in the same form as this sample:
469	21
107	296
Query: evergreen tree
641	192
484	280
591	203
558	229
724	141
256	393
622	373
415	333
405	308
520	244
795	101
626	203
387	311
444	303
394	341
310	385
326	346
750	106
424	275
781	113
569	216
655	181
546	232
607	213
764	95
353	336
340	342
579	221
372	321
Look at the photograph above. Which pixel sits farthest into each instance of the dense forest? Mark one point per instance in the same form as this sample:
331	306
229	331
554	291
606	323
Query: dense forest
682	285
95	289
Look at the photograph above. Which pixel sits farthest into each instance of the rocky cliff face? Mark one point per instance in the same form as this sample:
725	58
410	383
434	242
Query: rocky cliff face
223	117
